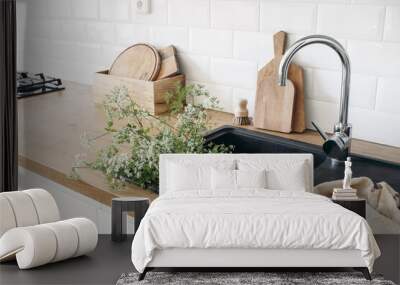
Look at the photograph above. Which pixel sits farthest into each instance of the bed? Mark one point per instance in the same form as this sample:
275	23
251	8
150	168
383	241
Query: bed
247	210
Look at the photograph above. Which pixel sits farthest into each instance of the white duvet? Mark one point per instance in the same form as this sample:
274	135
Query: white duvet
250	219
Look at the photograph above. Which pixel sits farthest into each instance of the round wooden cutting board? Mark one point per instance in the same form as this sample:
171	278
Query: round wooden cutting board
140	61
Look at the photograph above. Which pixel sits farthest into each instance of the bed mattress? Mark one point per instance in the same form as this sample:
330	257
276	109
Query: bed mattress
250	219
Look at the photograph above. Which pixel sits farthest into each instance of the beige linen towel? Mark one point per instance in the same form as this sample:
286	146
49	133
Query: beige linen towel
381	197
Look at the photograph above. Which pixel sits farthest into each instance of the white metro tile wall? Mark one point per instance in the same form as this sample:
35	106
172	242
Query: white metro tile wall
87	9
375	58
351	21
195	67
222	44
60	8
392	24
71	31
193	13
235	15
158	15
114	10
293	17
388	96
326	86
164	35
253	46
211	42
232	72
100	32
125	32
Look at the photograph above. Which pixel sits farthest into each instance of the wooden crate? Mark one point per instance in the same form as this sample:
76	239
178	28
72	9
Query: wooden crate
148	94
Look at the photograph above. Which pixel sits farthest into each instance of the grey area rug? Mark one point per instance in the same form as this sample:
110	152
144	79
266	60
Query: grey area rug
243	278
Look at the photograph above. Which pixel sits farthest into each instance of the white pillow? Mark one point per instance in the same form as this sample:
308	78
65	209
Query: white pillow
227	179
282	174
293	178
251	178
223	179
193	176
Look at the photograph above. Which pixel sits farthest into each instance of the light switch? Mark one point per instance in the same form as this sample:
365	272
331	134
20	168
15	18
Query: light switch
142	6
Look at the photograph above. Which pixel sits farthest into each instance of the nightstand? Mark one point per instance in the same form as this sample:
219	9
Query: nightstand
119	209
358	206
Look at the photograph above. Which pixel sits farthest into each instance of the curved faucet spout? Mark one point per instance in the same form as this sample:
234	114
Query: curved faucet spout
338	48
342	128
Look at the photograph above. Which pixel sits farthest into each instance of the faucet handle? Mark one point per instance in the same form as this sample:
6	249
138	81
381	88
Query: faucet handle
320	131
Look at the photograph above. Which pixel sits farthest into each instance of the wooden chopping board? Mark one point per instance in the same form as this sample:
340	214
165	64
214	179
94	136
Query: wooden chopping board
280	114
295	74
140	61
169	62
274	109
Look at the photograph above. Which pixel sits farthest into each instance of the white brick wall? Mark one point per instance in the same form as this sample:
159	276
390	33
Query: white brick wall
164	35
235	15
351	21
115	10
392	24
194	13
211	42
293	17
253	46
86	9
222	44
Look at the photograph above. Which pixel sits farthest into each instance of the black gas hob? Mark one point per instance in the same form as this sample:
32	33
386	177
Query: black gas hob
29	84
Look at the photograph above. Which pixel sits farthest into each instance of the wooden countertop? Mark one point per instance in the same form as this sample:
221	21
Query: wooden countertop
51	125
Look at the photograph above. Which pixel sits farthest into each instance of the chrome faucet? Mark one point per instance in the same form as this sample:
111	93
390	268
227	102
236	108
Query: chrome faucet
336	146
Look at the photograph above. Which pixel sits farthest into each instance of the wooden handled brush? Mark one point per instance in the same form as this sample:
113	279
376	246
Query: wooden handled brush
242	114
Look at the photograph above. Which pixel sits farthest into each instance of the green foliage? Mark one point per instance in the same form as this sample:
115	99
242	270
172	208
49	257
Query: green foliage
190	94
133	154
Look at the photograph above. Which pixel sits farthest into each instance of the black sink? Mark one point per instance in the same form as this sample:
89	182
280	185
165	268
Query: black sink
247	141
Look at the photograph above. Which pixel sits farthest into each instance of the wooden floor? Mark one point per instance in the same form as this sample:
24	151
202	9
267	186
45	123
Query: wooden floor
111	259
